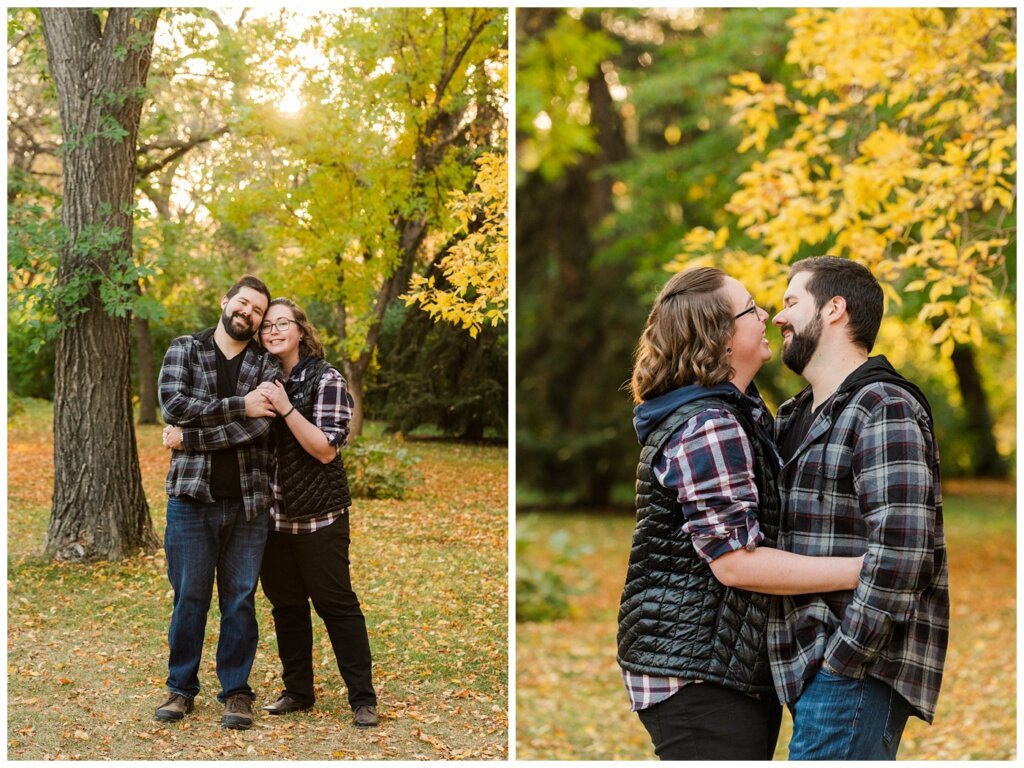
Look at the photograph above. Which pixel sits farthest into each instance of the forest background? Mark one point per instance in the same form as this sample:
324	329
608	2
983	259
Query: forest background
650	140
356	161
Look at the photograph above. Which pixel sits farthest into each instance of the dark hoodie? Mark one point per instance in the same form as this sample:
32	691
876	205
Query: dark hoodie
878	370
650	413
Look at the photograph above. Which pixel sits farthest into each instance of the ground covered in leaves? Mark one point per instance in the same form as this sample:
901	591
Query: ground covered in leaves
87	648
571	704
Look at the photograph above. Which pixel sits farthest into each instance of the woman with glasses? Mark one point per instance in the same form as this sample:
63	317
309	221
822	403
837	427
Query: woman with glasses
306	558
692	638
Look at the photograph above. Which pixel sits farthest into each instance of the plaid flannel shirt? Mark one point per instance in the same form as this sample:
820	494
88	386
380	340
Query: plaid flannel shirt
332	412
710	462
865	477
188	399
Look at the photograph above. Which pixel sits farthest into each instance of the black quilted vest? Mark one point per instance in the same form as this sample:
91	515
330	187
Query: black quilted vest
676	619
310	487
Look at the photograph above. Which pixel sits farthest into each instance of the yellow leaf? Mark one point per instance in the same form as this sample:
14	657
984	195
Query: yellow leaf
941	288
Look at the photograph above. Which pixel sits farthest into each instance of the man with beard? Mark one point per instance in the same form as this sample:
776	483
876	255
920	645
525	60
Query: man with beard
861	475
219	497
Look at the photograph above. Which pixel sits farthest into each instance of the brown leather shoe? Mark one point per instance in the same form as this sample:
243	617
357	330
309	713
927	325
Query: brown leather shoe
286	704
237	712
174	709
365	716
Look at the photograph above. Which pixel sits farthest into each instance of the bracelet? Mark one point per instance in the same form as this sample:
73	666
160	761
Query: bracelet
286	415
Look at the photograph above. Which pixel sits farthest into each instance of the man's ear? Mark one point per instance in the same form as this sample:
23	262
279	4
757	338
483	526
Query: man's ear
224	302
835	310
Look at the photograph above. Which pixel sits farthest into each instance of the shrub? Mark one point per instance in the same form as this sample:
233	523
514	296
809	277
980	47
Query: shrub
542	591
377	470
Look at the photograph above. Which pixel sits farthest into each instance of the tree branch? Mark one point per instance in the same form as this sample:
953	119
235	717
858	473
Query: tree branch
182	148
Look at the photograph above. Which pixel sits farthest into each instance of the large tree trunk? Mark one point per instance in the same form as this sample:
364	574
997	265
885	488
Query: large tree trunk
147	371
986	459
99	69
354	375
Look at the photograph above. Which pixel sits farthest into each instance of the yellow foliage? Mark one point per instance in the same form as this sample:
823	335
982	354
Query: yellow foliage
924	197
476	267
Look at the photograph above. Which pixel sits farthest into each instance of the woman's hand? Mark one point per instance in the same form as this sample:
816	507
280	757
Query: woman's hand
173	438
276	395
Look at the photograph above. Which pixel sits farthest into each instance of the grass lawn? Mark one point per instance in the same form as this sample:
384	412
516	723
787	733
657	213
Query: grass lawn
571	704
87	644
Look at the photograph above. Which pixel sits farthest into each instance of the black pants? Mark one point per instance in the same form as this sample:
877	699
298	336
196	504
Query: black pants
705	721
301	567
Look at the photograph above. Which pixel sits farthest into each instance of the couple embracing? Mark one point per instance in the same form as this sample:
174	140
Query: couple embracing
257	491
799	560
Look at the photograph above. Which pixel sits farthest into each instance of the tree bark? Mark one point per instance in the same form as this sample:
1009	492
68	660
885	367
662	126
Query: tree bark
986	459
147	371
412	232
99	67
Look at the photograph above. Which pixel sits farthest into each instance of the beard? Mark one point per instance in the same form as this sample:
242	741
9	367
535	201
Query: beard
228	321
801	347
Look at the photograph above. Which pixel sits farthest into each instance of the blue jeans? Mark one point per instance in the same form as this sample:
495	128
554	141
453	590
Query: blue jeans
204	541
840	718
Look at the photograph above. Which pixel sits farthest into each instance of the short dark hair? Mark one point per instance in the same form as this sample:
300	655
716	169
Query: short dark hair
832	276
250	281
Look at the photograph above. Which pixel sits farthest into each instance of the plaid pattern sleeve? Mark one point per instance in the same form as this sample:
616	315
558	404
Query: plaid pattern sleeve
195	374
893	481
180	392
866	480
711	464
333	409
332	412
233	433
229	435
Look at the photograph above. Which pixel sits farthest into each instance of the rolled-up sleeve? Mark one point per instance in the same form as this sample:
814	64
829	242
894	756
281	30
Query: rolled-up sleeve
710	463
333	409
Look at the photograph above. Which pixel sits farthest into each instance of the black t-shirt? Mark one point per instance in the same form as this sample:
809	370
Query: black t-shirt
799	425
225	477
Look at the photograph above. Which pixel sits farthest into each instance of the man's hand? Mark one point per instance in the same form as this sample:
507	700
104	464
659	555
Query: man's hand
275	394
173	438
257	405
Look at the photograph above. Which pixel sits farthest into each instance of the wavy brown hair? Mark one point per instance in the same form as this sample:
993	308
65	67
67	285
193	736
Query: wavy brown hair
686	336
310	344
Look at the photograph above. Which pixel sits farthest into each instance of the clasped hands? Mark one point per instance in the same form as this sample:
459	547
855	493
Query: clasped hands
268	399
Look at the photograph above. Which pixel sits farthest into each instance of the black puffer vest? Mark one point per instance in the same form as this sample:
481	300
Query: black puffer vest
676	619
310	487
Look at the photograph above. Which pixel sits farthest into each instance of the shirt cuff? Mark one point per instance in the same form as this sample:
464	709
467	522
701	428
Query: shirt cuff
234	408
852	658
335	438
746	536
191	439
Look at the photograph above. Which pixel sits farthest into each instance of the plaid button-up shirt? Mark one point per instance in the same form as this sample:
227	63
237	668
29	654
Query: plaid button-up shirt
865	477
710	462
188	399
332	412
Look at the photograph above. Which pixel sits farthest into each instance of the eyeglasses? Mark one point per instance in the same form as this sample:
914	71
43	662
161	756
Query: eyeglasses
281	325
746	311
